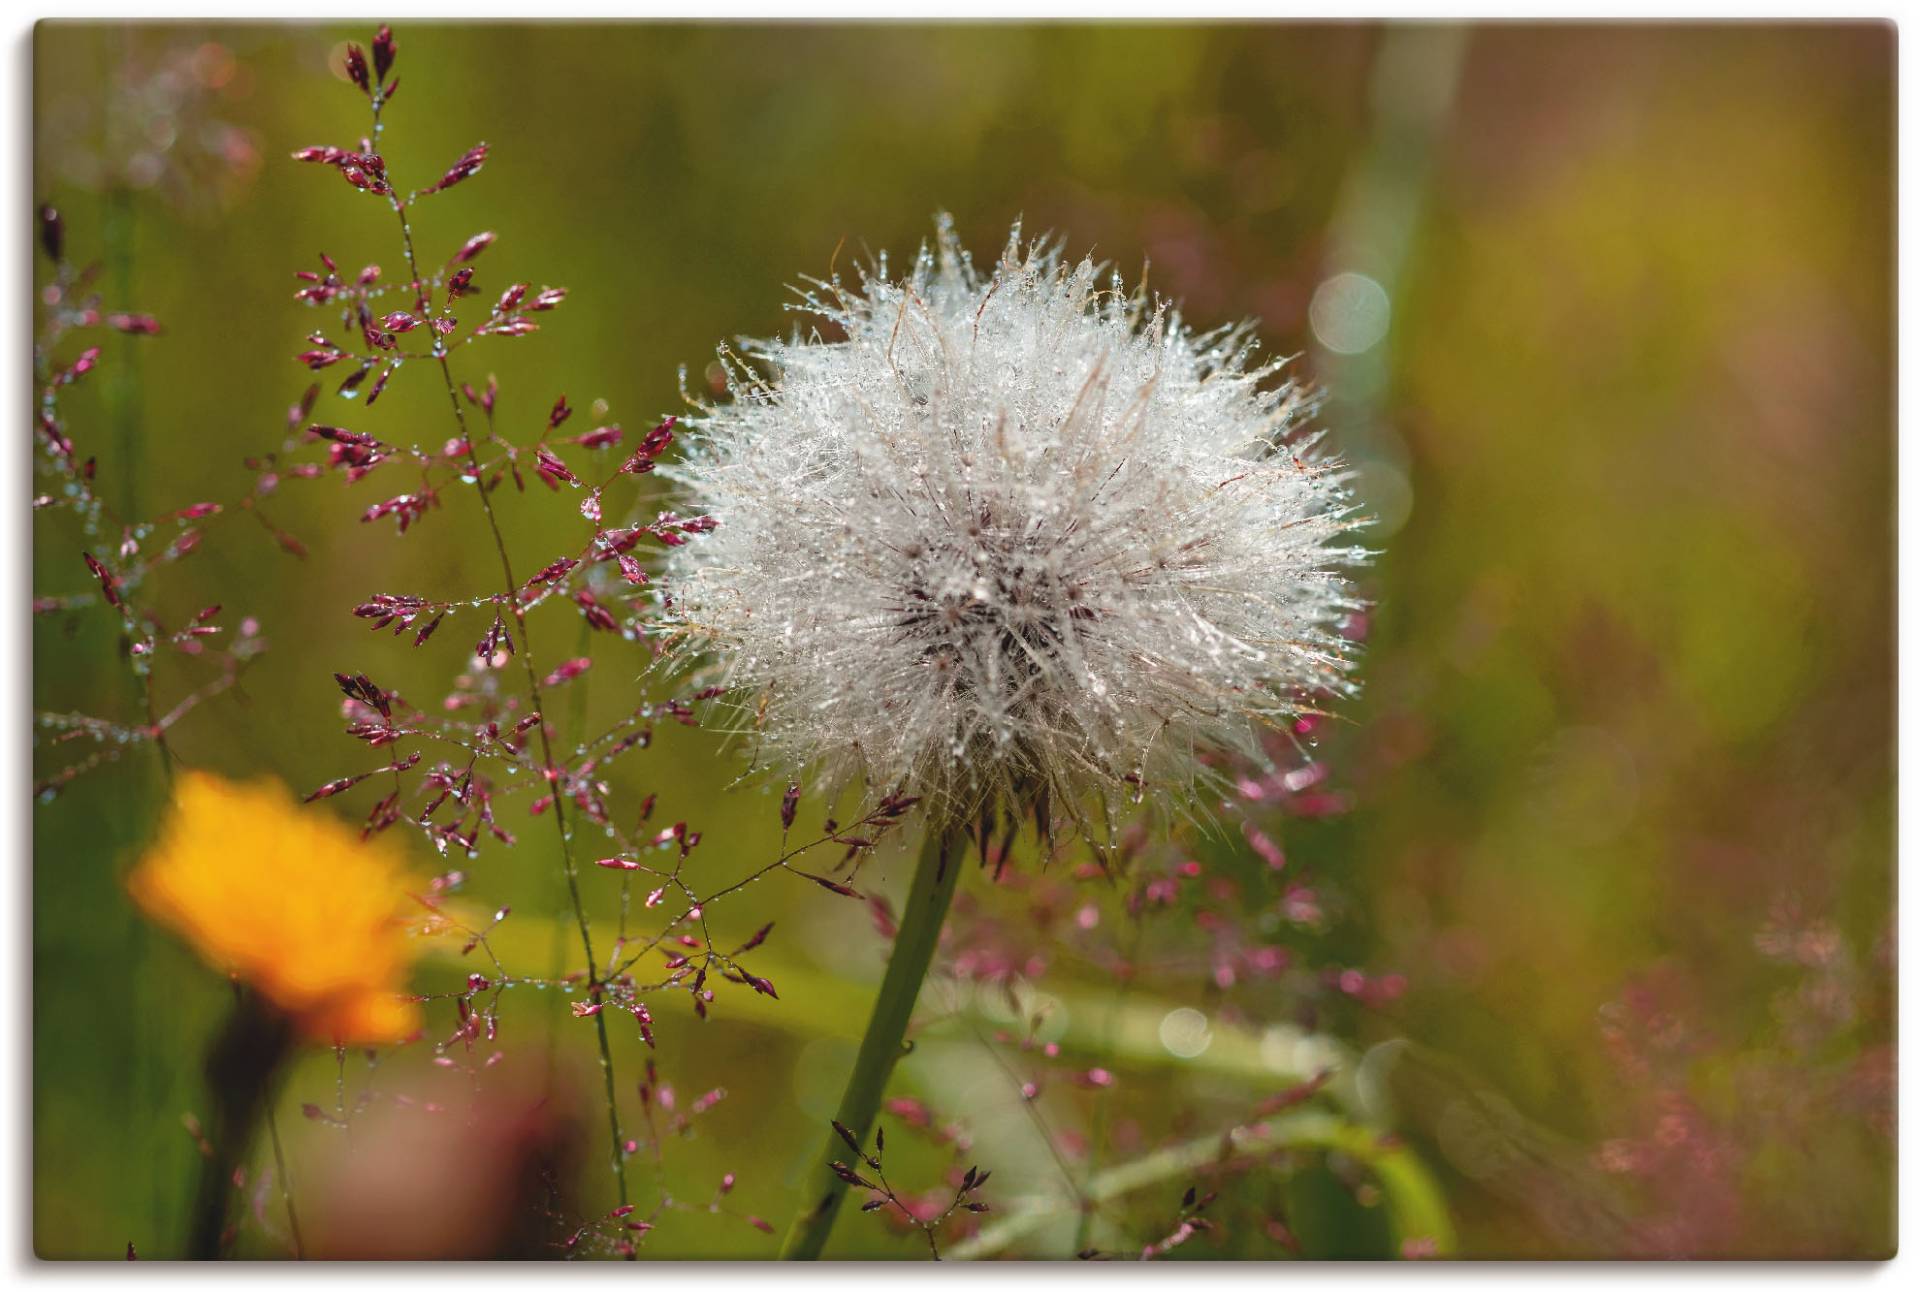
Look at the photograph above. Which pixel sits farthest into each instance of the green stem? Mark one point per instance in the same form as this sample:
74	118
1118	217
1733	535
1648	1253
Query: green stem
1413	1199
934	878
122	386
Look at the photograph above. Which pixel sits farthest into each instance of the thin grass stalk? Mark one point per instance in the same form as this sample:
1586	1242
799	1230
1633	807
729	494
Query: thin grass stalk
569	866
286	1187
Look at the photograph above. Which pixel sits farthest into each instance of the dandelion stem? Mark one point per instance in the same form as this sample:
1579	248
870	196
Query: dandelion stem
568	866
934	878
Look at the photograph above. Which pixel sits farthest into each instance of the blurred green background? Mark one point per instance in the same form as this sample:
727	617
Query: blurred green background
1607	318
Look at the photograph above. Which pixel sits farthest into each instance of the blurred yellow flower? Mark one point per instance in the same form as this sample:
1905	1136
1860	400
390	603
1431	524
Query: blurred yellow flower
290	901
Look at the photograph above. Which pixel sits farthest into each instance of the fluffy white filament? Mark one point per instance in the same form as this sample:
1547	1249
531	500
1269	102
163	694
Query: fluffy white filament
1015	533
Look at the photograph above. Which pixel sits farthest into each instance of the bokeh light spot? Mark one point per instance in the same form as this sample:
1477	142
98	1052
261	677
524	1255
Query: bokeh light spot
1185	1033
1350	313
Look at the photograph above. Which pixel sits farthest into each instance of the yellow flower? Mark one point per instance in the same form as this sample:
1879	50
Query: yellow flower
290	901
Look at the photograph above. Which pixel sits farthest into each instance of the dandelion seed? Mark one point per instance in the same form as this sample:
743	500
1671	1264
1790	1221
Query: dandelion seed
1016	534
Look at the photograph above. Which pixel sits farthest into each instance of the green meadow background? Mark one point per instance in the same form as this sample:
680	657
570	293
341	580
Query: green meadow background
1622	771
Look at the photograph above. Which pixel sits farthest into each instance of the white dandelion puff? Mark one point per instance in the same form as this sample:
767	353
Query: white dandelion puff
1017	533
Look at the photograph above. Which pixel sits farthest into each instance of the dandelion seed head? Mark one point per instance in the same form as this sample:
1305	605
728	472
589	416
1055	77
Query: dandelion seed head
1011	531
